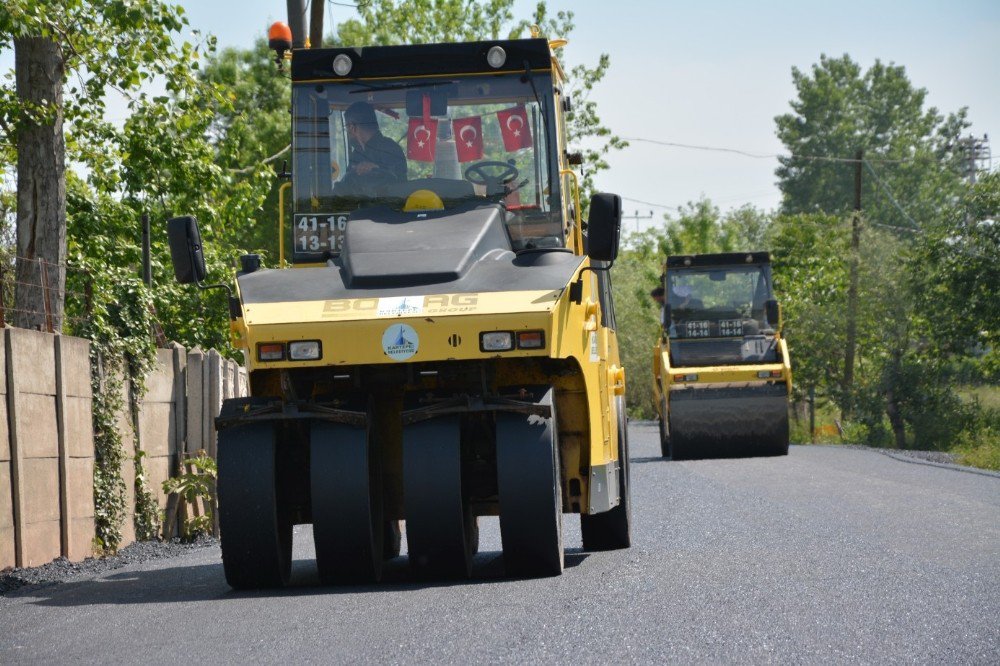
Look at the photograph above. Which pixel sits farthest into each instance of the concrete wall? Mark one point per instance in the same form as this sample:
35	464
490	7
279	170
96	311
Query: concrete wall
47	440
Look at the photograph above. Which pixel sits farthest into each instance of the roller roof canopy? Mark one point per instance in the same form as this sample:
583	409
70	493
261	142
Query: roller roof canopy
421	60
721	259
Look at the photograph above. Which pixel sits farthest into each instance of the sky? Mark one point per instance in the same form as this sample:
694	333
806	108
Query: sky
716	73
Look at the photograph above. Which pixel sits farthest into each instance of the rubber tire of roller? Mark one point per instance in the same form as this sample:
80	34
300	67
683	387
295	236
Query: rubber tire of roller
254	523
529	483
612	530
346	491
437	519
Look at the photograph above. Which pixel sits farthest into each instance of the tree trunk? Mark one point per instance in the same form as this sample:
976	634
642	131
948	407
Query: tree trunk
892	403
41	187
895	419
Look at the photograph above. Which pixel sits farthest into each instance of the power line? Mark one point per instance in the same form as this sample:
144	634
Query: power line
761	156
888	193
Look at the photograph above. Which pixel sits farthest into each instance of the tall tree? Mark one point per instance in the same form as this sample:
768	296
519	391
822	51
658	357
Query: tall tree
99	45
840	109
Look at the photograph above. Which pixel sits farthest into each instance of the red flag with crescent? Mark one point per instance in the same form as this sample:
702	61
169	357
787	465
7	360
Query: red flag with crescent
514	128
421	139
468	138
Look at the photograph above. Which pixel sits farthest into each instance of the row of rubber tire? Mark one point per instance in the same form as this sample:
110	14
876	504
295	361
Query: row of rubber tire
352	536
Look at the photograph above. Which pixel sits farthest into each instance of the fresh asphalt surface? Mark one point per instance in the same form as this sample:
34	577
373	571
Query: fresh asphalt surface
831	554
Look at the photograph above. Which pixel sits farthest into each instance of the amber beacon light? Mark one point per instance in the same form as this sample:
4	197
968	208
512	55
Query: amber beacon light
279	39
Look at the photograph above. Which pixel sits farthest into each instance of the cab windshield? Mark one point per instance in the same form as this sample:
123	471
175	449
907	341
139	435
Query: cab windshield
424	144
729	302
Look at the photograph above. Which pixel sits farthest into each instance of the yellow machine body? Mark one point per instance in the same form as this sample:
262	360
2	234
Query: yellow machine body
707	404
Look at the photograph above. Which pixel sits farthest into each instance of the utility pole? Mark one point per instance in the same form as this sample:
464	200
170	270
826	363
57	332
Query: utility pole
316	23
297	22
977	156
638	217
852	290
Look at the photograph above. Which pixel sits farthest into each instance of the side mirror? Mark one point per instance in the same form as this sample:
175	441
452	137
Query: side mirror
604	226
185	249
773	312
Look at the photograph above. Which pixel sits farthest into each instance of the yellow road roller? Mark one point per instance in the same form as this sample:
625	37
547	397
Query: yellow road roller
441	344
721	371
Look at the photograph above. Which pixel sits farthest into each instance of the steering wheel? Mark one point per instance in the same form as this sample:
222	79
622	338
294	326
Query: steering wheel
479	174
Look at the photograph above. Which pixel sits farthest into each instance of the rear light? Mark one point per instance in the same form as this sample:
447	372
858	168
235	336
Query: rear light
685	378
531	340
767	374
271	351
496	341
304	350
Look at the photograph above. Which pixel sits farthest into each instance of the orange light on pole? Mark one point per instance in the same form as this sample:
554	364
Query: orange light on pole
279	39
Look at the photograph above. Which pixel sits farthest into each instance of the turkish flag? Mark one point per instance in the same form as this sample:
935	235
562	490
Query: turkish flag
421	139
514	128
468	134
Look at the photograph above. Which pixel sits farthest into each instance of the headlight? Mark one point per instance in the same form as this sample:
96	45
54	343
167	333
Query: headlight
304	350
342	64
496	341
496	57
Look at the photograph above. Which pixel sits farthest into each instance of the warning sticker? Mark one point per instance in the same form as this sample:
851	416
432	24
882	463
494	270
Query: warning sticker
594	355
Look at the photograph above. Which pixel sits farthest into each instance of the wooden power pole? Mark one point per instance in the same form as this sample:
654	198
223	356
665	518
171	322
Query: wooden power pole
852	291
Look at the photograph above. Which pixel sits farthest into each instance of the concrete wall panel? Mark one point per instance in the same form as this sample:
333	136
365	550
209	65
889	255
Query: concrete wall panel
79	427
195	399
81	538
158	470
76	367
41	543
160	382
156	429
4	424
80	487
40	483
38	435
6	518
34	360
7	556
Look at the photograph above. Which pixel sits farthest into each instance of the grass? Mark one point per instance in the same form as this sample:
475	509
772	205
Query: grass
979	446
987	396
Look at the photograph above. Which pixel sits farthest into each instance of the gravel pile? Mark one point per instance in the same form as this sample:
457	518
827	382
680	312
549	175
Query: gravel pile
930	456
61	569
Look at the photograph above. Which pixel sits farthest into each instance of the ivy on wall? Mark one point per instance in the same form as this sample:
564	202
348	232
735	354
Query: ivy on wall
117	321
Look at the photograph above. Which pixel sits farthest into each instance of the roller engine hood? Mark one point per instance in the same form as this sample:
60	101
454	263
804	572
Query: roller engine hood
391	253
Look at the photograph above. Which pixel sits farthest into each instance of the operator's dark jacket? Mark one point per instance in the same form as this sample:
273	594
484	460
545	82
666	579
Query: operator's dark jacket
384	153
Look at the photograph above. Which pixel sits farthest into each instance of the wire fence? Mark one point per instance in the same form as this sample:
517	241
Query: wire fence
47	296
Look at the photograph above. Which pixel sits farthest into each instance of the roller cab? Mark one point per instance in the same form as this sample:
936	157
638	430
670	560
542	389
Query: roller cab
721	371
435	343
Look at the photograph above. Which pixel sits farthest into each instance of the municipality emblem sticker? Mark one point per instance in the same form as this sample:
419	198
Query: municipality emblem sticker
400	306
400	342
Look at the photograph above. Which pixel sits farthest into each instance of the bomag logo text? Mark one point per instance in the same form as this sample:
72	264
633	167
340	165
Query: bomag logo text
431	305
450	304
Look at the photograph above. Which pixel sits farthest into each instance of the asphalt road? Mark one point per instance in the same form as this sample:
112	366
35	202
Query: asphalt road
828	555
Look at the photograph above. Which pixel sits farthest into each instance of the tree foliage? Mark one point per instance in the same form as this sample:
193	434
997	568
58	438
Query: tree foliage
838	110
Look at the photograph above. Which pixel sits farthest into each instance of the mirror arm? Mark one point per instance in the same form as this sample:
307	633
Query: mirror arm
235	308
576	288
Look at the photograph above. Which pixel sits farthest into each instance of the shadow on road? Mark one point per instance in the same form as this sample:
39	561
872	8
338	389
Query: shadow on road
206	582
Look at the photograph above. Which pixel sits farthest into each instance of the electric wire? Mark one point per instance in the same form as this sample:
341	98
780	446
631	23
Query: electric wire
762	156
